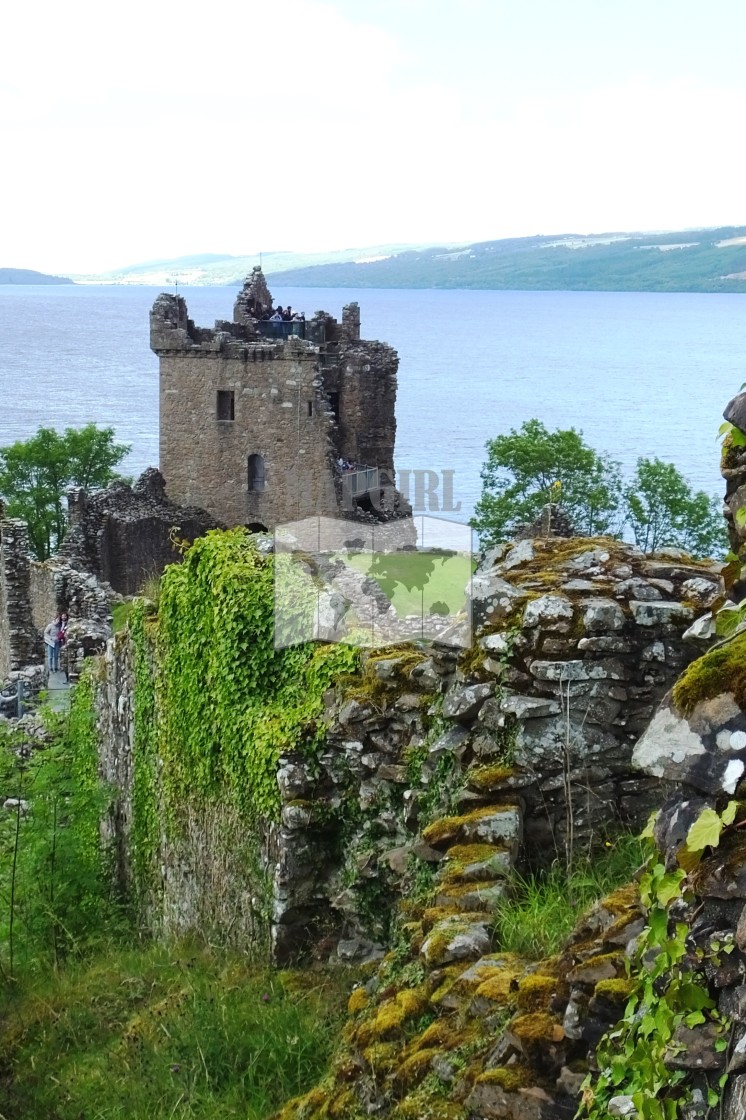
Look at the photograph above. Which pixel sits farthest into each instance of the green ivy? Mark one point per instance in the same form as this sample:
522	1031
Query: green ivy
229	702
671	992
57	892
144	839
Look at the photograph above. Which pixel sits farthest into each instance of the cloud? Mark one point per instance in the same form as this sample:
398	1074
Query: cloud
153	130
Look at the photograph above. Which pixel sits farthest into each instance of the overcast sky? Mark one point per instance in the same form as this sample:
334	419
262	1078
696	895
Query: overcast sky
143	130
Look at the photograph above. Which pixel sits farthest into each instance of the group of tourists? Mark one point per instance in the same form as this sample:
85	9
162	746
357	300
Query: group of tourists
348	465
284	315
277	315
55	636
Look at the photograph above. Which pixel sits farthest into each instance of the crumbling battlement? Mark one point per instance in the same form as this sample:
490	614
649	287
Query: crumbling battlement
117	538
122	534
260	421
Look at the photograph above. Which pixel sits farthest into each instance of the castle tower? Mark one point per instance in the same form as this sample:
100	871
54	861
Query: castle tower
265	422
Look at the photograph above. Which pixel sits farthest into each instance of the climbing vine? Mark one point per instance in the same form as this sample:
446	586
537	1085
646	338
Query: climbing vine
56	874
637	1058
223	703
145	826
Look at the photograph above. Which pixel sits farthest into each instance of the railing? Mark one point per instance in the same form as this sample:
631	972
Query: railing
312	331
360	481
268	328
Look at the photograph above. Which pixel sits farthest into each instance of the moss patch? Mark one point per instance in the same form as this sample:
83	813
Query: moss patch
462	857
415	1068
382	1057
391	1017
614	991
509	1078
501	988
358	1001
537	1027
448	828
720	670
484	779
536	992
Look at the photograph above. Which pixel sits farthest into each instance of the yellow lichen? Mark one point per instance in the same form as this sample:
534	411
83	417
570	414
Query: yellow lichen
391	1017
484	779
458	891
615	991
435	914
448	828
486	968
537	1026
536	992
447	977
439	832
509	1078
382	1057
502	988
358	1001
412	1071
440	1033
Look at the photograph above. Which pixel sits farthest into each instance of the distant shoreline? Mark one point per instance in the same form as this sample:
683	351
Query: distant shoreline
29	276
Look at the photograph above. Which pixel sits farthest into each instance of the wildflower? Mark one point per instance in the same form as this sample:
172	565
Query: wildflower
265	998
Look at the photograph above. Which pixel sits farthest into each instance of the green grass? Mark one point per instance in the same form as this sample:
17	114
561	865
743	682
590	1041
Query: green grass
543	908
185	1034
414	581
121	614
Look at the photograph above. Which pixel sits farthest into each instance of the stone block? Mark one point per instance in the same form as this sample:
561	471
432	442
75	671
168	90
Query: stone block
663	615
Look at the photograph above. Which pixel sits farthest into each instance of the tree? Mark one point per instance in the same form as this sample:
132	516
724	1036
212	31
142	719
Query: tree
663	511
530	467
35	474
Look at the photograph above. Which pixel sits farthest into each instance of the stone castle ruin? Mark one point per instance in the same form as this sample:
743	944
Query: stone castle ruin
261	422
266	422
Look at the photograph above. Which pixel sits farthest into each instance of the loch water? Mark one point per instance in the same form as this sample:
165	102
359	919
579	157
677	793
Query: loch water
639	373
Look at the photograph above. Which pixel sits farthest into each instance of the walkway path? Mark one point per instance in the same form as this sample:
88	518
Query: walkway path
58	692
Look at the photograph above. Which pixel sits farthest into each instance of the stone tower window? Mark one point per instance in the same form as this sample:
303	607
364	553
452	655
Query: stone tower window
257	478
226	407
310	408
334	402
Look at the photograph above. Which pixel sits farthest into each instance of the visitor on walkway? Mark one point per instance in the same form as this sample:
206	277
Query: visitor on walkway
63	659
52	643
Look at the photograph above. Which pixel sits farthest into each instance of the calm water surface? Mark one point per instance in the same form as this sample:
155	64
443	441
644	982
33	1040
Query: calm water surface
640	374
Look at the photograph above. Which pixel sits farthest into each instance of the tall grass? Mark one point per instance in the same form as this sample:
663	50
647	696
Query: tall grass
542	908
183	1035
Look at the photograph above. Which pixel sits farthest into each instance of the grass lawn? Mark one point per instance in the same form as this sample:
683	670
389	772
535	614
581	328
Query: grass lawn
184	1034
414	581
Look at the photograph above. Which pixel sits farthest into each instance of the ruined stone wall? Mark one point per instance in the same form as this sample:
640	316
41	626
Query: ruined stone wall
527	738
210	880
19	640
122	534
367	398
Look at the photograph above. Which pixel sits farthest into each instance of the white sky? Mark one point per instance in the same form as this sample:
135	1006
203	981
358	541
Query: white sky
142	130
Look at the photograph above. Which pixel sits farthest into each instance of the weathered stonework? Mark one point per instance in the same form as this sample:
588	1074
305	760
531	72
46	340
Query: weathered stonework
122	535
255	416
531	729
117	539
19	641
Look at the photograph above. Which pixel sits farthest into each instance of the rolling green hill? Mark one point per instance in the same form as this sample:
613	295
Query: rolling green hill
712	260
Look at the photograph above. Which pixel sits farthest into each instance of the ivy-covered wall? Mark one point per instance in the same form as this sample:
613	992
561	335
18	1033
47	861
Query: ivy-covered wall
196	708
